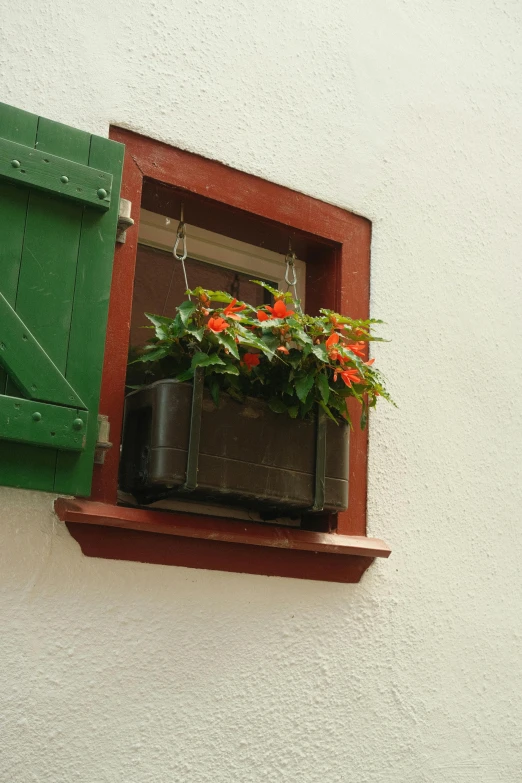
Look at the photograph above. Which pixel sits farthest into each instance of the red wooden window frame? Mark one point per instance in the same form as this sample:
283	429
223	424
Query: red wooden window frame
336	245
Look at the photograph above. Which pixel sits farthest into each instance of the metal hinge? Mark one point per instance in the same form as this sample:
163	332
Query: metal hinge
103	443
124	220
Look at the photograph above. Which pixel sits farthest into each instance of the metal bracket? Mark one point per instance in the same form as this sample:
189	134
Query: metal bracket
103	443
124	220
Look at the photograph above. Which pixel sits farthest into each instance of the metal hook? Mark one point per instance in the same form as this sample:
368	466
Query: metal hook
181	238
290	261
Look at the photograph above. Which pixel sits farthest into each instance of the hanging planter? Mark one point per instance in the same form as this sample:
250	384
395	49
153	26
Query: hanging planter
248	406
177	442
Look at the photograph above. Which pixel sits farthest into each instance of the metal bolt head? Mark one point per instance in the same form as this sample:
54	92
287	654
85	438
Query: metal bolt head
102	193
77	424
15	164
37	416
64	179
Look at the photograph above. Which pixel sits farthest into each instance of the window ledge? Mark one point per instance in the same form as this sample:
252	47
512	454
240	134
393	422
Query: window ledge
137	534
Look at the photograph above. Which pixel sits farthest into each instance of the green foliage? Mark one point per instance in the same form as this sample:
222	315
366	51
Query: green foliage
296	363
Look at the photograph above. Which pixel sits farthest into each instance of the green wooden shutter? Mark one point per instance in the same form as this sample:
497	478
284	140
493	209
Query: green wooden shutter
59	197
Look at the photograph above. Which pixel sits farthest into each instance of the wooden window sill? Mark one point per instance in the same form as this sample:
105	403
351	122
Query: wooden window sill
120	533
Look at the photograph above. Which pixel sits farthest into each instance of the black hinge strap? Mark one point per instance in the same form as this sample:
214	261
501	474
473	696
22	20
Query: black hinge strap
320	461
191	480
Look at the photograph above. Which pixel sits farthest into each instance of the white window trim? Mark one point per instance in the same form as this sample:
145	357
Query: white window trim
159	232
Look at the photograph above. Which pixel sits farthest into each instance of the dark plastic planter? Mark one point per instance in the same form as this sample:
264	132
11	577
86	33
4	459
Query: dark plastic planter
247	455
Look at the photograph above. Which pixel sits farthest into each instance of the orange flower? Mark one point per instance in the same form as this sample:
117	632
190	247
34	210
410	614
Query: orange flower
233	308
279	310
357	348
262	316
250	360
369	363
283	349
336	325
333	353
217	324
332	340
350	376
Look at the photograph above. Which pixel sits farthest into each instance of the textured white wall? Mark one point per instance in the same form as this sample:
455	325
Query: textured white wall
409	112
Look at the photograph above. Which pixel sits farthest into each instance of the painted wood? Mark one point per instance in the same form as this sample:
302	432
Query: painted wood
20	465
89	317
117	533
198	526
59	287
334	243
41	424
29	167
14	123
28	364
112	393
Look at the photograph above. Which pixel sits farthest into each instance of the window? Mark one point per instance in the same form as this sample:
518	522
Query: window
335	247
247	220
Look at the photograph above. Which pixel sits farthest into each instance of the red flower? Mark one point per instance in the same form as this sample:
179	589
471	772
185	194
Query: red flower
350	376
283	349
336	325
332	340
333	353
262	316
279	310
250	360
233	308
357	348
217	324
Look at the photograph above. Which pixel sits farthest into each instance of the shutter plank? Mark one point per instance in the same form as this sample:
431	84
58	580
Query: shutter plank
85	357
20	125
16	470
45	292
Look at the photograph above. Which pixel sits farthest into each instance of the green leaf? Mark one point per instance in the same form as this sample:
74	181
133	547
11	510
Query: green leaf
364	415
152	356
185	310
293	410
327	410
303	386
162	325
214	296
228	341
213	386
278	406
236	394
321	352
249	339
201	359
185	376
301	336
197	333
226	369
305	407
286	297
321	381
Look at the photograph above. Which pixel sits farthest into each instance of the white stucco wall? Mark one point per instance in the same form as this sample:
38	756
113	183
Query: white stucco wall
409	112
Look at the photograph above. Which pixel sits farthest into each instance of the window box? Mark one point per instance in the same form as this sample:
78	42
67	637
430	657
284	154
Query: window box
247	455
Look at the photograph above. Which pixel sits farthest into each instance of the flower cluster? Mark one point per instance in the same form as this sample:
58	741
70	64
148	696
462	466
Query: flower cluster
295	362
